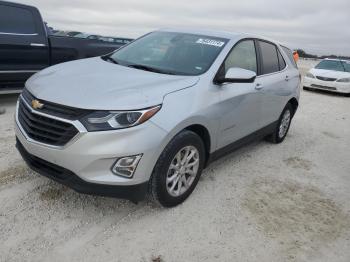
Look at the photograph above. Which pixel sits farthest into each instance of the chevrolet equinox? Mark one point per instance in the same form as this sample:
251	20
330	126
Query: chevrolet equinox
148	117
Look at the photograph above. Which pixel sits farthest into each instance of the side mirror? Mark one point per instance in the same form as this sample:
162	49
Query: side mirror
237	75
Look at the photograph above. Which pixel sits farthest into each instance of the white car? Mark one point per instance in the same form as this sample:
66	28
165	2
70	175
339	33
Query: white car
331	75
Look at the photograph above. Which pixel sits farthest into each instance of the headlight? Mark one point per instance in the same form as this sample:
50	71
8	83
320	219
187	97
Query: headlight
344	80
309	75
109	120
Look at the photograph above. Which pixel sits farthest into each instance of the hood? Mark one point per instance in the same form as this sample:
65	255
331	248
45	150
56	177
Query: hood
329	73
96	84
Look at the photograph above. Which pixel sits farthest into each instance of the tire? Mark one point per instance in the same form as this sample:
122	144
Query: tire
277	137
159	185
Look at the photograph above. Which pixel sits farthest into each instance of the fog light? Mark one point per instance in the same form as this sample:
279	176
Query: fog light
126	166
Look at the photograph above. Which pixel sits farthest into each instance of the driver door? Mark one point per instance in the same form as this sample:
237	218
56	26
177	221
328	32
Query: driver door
240	103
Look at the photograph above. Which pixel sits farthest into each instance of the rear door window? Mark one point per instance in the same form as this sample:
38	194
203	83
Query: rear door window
269	58
16	20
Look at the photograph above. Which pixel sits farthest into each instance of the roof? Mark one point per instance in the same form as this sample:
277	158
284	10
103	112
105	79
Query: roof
218	33
337	59
223	34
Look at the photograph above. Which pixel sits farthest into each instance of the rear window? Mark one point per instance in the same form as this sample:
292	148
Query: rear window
289	53
16	20
269	58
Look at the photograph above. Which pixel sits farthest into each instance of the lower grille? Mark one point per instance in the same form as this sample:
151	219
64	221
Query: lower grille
66	177
329	79
324	87
44	129
42	166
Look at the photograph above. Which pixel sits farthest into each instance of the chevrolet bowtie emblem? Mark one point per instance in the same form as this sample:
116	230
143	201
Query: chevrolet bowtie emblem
36	104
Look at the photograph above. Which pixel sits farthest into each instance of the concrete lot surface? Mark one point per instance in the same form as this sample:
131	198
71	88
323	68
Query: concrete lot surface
264	202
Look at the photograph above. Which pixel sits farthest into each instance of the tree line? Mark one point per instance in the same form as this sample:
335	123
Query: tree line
304	54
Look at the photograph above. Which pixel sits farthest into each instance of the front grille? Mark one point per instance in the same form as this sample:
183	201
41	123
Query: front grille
329	79
44	129
54	109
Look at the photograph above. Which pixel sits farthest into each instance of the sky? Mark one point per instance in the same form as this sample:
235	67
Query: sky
317	26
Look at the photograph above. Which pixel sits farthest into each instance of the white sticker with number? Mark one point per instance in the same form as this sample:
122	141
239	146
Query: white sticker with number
210	42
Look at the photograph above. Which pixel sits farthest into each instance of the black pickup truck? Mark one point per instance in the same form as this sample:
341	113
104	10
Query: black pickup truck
26	46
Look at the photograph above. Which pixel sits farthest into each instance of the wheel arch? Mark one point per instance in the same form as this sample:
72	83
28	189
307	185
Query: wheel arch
203	133
294	102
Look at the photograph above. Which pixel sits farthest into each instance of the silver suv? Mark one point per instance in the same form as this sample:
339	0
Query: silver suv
151	115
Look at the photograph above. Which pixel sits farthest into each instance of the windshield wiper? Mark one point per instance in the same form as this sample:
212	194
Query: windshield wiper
150	69
108	58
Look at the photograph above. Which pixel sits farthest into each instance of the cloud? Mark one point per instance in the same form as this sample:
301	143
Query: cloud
316	25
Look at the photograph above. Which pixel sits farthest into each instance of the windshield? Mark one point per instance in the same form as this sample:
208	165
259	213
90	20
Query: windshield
82	35
346	66
171	53
335	65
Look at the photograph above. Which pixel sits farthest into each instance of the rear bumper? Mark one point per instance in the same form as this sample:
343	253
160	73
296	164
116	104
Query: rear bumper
66	177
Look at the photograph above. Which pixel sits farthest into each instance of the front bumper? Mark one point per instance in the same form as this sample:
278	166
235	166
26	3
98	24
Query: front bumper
330	86
134	193
89	156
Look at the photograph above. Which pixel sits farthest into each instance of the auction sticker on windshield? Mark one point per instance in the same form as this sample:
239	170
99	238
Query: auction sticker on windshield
205	41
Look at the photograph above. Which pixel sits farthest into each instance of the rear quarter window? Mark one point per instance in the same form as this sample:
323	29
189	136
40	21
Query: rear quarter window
281	61
16	20
289	53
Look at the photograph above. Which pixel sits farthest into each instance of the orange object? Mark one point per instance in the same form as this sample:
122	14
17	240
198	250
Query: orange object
296	56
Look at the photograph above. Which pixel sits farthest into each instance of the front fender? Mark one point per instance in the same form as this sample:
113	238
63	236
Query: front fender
185	108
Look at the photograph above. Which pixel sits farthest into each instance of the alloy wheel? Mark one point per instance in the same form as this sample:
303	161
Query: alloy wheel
182	171
284	125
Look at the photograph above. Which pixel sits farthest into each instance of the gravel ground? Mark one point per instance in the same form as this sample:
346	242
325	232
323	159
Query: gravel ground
264	202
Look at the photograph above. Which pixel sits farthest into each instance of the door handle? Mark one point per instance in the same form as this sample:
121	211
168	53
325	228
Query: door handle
36	44
258	86
287	78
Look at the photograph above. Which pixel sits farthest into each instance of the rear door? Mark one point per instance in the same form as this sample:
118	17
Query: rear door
23	44
240	103
272	81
